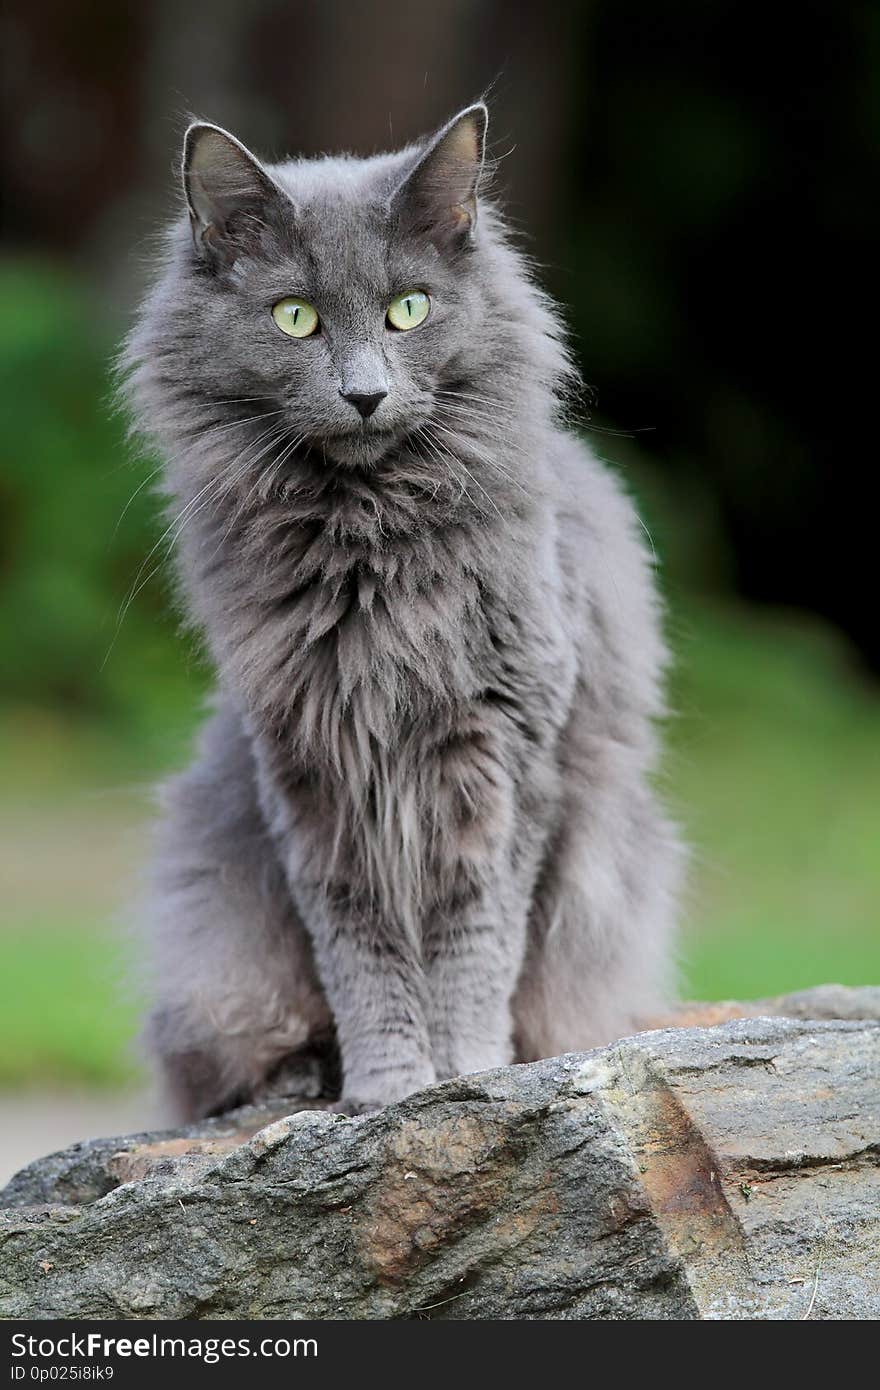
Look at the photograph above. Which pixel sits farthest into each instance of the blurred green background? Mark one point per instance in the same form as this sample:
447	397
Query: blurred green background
689	181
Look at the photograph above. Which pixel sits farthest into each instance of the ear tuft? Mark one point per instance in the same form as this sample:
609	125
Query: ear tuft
438	198
227	190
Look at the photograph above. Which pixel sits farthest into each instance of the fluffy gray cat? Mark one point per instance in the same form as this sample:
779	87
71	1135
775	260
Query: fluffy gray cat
419	836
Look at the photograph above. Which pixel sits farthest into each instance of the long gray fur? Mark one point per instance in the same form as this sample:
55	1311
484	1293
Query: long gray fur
419	828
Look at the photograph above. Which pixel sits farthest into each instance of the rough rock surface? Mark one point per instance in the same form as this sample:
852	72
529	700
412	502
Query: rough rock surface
729	1171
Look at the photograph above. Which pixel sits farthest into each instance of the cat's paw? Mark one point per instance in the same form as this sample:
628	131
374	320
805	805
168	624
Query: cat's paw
352	1107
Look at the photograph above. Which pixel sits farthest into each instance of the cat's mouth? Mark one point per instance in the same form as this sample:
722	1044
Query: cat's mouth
360	446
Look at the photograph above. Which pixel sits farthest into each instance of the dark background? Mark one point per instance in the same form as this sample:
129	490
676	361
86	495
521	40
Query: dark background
697	183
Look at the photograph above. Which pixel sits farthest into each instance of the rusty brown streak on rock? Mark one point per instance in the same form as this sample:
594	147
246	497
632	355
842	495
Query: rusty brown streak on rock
441	1179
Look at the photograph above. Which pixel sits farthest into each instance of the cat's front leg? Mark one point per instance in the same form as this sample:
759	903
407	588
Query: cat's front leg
368	958
474	928
372	975
473	960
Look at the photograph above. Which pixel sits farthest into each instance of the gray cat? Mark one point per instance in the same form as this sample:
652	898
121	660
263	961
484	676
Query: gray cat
419	835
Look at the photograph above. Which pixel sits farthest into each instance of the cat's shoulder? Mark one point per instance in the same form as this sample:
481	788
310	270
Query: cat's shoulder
589	490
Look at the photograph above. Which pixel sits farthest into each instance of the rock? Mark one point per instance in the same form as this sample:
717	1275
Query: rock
730	1171
824	1001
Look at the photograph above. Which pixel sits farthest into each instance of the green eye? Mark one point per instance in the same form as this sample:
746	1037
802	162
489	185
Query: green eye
409	310
295	317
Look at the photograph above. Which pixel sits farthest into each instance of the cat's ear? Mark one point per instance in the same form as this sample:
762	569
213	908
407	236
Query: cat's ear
438	198
228	192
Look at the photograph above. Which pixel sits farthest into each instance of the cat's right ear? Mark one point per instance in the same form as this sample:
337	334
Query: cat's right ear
438	198
228	192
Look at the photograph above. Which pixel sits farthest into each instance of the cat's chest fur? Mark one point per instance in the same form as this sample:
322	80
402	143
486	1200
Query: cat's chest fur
412	686
344	625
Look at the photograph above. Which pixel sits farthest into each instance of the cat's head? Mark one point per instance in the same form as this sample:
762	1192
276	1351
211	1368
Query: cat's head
343	290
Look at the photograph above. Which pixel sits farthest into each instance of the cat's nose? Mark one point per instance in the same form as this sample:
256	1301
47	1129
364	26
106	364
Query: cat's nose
364	402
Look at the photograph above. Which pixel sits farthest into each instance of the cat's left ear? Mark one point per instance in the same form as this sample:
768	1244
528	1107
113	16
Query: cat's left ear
438	198
228	192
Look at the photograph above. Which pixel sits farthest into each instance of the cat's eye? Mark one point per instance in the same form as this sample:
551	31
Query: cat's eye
408	310
295	317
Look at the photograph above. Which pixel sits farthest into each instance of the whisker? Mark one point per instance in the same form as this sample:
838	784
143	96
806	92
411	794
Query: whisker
191	503
463	465
470	416
140	487
484	457
269	482
438	457
182	521
175	528
201	434
458	461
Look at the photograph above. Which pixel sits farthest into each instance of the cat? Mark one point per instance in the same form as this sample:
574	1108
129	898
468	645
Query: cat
419	838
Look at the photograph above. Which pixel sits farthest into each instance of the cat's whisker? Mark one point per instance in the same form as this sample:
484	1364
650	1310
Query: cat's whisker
204	434
479	416
466	391
156	545
430	444
455	459
172	533
220	480
484	457
139	489
489	413
262	485
490	408
182	521
654	557
492	429
463	465
240	400
585	423
277	437
478	484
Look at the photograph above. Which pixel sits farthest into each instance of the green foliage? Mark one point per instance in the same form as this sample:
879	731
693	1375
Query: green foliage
76	515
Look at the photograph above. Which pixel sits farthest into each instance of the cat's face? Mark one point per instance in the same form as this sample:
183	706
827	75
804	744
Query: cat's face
338	292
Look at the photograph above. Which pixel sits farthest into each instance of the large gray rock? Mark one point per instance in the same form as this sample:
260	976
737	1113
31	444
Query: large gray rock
730	1171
